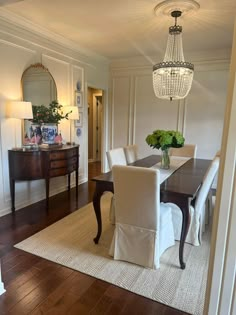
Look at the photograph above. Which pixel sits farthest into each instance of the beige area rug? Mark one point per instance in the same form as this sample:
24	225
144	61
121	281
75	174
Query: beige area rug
69	242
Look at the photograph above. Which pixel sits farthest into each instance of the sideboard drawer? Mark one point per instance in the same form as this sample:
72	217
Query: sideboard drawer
43	163
63	170
63	163
58	172
60	155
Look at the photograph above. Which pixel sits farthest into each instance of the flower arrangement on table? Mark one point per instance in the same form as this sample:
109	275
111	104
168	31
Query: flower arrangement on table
165	139
51	114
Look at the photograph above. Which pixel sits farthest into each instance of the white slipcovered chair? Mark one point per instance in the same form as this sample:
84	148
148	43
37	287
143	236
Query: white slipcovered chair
144	228
188	150
131	153
115	157
211	197
197	209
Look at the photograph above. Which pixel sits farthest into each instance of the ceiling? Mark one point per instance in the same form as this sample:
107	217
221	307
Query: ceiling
128	28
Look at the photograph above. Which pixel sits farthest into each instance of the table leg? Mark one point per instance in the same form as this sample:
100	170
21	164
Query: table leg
184	232
183	204
97	208
100	188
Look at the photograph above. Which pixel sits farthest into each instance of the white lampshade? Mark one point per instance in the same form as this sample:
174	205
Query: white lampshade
74	115
20	110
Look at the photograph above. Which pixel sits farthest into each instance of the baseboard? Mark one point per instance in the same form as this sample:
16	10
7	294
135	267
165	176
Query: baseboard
41	196
2	290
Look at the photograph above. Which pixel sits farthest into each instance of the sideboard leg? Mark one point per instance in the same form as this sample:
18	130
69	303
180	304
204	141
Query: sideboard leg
68	188
12	192
47	193
77	180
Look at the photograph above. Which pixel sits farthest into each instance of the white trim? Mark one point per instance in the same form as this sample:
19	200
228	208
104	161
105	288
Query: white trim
221	273
80	58
17	46
25	24
130	118
134	110
112	113
117	69
230	262
2	290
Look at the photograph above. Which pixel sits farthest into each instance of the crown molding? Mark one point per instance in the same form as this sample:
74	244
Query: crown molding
25	25
147	62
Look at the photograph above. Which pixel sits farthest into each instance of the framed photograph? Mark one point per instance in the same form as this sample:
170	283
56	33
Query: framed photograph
79	122
78	99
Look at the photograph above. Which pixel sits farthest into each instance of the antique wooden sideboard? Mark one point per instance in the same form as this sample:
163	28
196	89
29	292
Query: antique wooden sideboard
43	163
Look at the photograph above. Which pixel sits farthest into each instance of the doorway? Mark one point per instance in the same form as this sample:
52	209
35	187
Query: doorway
95	109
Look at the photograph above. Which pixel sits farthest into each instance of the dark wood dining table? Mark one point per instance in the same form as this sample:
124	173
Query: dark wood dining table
180	188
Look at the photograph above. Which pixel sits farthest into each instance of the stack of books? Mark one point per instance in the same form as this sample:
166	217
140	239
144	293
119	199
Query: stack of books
50	145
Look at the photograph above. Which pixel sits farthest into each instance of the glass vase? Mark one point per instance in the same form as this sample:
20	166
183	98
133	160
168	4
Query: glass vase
165	159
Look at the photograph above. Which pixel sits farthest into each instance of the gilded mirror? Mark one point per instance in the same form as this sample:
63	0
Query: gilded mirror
38	87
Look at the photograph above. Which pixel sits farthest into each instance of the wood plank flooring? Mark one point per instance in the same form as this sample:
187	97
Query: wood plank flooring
37	286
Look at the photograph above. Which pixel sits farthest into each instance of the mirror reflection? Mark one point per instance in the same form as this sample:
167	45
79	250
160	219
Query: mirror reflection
39	88
38	85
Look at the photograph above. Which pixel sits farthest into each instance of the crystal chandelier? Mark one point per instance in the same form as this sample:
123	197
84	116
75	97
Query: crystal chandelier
172	78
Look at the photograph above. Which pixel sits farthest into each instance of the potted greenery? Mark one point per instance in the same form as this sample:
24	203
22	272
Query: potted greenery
48	114
48	117
165	139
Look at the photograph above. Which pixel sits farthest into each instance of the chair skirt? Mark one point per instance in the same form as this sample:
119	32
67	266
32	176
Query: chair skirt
143	246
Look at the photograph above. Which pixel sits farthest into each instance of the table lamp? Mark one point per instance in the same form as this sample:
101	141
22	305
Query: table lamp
74	115
19	110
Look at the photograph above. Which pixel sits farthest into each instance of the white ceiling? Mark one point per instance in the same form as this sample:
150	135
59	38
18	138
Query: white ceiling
125	28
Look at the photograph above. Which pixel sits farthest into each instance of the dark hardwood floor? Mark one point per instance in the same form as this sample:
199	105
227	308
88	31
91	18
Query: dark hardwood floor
37	286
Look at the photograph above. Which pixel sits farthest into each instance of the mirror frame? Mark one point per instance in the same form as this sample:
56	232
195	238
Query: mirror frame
45	70
36	66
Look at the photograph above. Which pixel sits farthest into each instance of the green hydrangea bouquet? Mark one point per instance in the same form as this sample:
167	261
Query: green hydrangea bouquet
165	139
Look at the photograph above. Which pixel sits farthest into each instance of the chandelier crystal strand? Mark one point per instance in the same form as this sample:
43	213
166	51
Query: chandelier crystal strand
172	78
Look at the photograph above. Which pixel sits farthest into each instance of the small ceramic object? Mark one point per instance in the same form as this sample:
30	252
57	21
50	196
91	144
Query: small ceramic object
78	132
78	85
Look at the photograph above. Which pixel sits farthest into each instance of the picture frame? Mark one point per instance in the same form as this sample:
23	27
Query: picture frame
79	122
78	99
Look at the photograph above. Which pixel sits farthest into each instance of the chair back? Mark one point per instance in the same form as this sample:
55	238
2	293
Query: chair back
116	157
206	185
188	150
137	192
131	153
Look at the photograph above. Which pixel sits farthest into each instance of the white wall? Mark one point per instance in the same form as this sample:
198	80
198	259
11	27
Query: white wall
19	48
221	284
136	112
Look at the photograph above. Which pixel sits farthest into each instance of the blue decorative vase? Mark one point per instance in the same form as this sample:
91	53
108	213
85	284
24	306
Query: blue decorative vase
49	132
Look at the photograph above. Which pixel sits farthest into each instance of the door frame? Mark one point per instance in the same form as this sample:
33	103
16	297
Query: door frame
94	126
104	125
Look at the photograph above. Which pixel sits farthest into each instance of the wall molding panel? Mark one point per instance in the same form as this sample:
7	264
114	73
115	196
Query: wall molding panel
35	29
206	101
20	48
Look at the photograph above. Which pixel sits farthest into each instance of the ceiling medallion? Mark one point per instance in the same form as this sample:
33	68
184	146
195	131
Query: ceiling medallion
168	6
